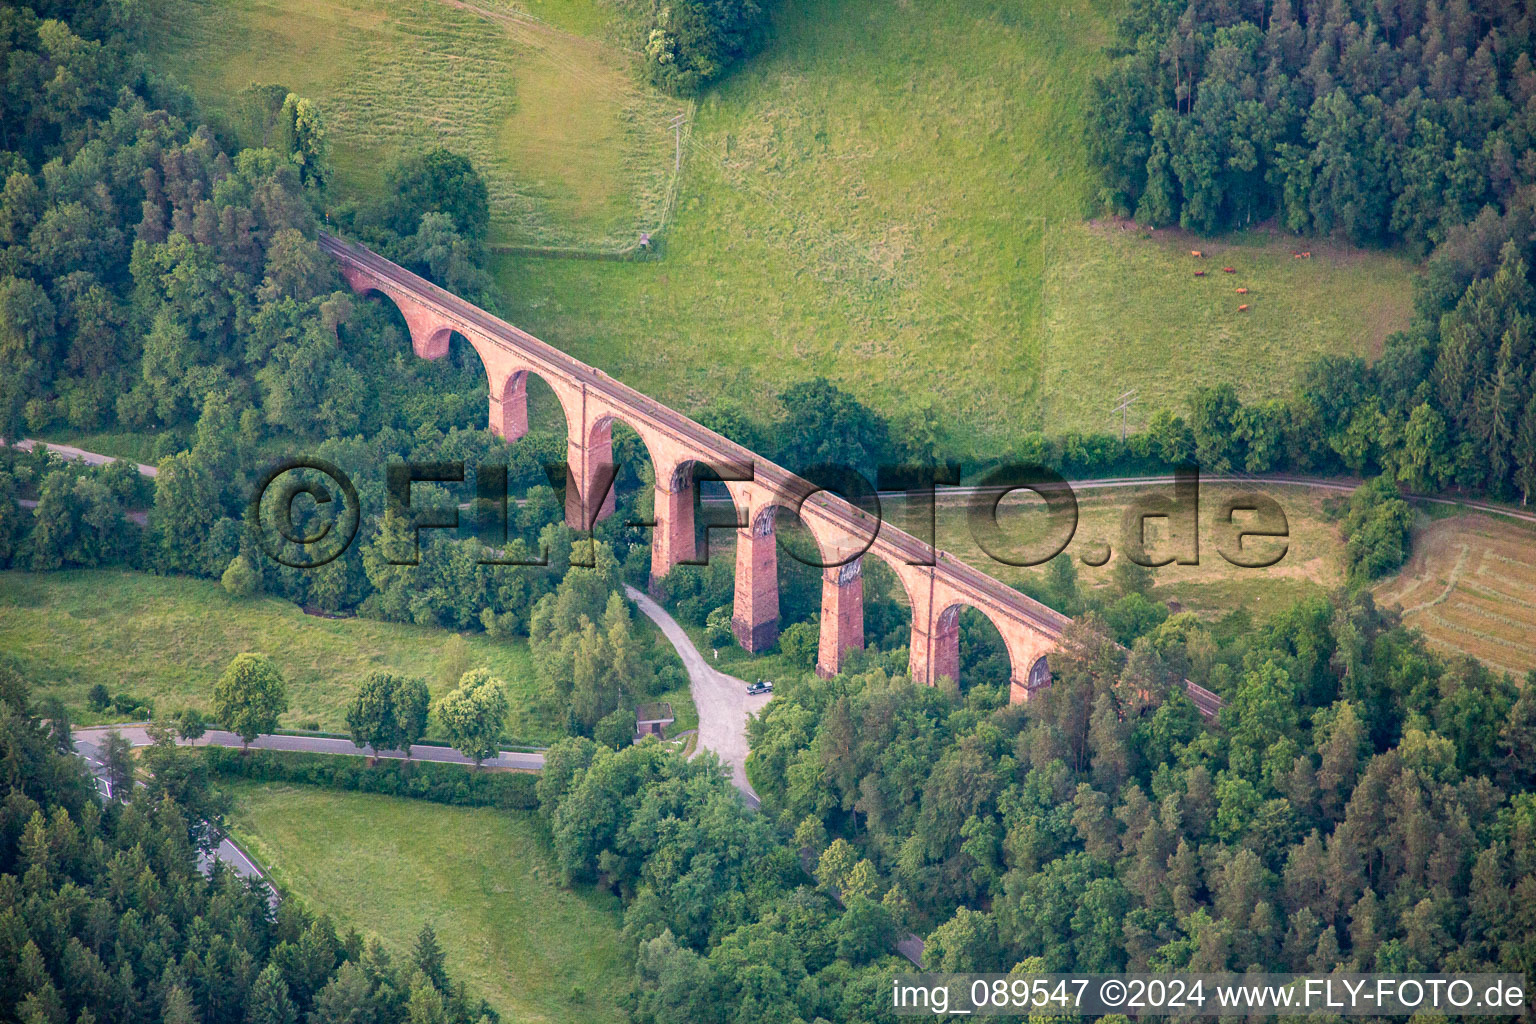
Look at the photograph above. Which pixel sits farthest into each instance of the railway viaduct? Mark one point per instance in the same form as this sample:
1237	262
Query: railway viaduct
937	585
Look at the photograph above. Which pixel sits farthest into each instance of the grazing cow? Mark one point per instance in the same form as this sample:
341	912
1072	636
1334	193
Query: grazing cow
1306	255
1199	273
1228	270
1243	308
1242	291
1197	254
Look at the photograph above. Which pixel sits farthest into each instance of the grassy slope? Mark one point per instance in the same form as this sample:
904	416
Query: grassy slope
573	149
892	195
486	881
1124	310
169	638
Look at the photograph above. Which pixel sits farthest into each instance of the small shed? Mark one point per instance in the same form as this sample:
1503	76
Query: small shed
652	719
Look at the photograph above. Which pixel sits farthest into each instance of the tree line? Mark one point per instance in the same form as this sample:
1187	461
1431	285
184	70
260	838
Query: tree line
155	259
726	926
593	662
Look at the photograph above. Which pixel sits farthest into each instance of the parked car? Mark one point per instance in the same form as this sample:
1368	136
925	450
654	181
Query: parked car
761	686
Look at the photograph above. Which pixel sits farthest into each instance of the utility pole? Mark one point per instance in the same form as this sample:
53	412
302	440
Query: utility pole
677	128
1125	401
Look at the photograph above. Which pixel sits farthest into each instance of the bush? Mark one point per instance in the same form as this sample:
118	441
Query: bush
717	627
98	699
690	43
239	579
1134	615
801	642
1376	530
668	677
421	780
439	181
616	730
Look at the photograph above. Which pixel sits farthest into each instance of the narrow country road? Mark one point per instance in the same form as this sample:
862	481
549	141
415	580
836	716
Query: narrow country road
722	700
69	451
139	737
88	746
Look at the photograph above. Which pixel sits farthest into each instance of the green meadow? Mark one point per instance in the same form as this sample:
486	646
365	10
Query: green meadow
575	152
893	194
485	879
168	638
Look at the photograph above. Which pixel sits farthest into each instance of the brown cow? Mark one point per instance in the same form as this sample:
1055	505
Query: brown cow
1197	254
1242	291
1199	273
1228	270
1243	308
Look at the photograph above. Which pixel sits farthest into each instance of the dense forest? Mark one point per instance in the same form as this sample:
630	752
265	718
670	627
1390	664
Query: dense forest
727	927
105	914
1379	122
1407	122
1362	804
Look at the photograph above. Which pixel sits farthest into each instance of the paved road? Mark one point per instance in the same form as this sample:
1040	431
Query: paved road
953	493
88	745
139	737
943	493
946	494
722	700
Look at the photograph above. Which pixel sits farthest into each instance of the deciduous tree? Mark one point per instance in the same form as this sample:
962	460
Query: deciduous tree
474	714
249	697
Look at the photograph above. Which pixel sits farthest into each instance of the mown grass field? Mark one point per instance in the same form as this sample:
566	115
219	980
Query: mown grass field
168	638
484	879
574	150
1471	588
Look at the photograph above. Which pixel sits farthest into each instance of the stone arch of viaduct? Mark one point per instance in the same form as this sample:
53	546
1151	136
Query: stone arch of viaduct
937	585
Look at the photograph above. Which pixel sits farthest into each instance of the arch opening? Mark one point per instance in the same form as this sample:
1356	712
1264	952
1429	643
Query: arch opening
445	391
1039	674
887	608
612	476
971	658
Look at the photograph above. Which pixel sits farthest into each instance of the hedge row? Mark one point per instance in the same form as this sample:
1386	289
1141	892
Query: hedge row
422	780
